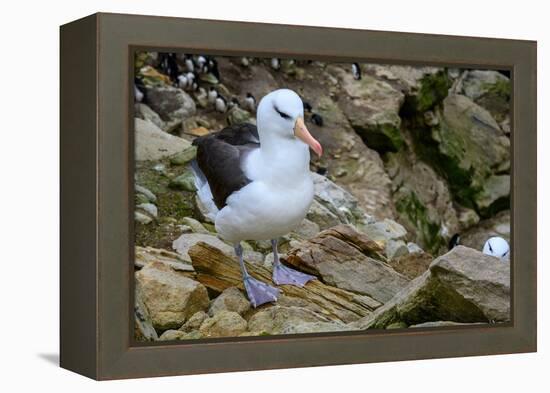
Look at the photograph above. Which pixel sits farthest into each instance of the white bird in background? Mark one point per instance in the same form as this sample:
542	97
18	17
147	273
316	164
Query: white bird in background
212	95
497	247
256	183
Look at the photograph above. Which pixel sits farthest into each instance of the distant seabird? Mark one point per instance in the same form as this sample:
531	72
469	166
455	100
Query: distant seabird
250	102
356	71
212	95
275	63
497	247
220	104
256	183
189	65
454	241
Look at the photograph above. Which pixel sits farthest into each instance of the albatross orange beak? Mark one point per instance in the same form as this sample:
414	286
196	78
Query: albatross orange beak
301	132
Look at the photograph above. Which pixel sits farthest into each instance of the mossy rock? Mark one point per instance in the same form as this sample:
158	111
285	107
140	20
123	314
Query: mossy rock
433	90
184	157
184	182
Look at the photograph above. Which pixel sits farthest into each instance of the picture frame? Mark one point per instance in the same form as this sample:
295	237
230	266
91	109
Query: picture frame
96	266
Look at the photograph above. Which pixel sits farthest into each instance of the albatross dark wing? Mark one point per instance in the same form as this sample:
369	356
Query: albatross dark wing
219	157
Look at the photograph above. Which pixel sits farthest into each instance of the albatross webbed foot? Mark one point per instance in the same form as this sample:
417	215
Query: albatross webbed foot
285	275
259	292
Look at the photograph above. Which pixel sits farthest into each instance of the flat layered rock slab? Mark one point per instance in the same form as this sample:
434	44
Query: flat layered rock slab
464	286
218	271
349	260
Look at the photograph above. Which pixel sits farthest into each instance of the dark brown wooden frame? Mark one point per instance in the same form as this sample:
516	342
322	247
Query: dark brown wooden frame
97	182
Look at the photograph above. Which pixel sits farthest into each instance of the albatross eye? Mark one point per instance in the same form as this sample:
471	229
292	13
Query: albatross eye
282	114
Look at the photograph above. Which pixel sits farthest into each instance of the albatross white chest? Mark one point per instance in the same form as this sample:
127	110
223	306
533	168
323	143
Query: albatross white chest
274	203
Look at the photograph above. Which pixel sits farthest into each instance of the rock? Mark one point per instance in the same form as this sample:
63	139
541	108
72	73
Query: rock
184	156
144	330
463	286
231	299
142	218
146	255
358	169
427	92
151	209
414	248
186	241
223	324
467	218
218	272
146	113
172	104
184	182
494	195
197	131
389	234
195	322
499	225
372	109
437	324
289	320
422	200
396	248
473	148
170	296
322	216
171	335
413	264
144	191
154	144
307	229
407	79
237	115
195	225
343	257
489	89
337	201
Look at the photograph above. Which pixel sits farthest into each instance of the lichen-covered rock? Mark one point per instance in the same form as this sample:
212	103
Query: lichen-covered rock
146	113
337	201
170	296
473	148
184	156
146	255
349	161
372	107
144	330
232	299
170	335
463	285
184	182
223	324
343	257
195	322
423	201
172	104
489	89
286	320
153	144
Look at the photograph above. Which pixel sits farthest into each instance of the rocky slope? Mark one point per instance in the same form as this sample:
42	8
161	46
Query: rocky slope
412	156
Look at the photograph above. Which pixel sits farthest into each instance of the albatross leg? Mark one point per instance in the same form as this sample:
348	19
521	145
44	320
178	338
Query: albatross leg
285	275
257	291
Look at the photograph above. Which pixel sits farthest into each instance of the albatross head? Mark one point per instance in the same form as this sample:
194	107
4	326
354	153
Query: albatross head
281	115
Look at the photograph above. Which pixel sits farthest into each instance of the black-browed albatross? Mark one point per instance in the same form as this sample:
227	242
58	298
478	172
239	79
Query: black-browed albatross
256	183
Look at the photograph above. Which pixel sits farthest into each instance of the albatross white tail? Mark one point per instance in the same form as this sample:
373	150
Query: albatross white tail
203	192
